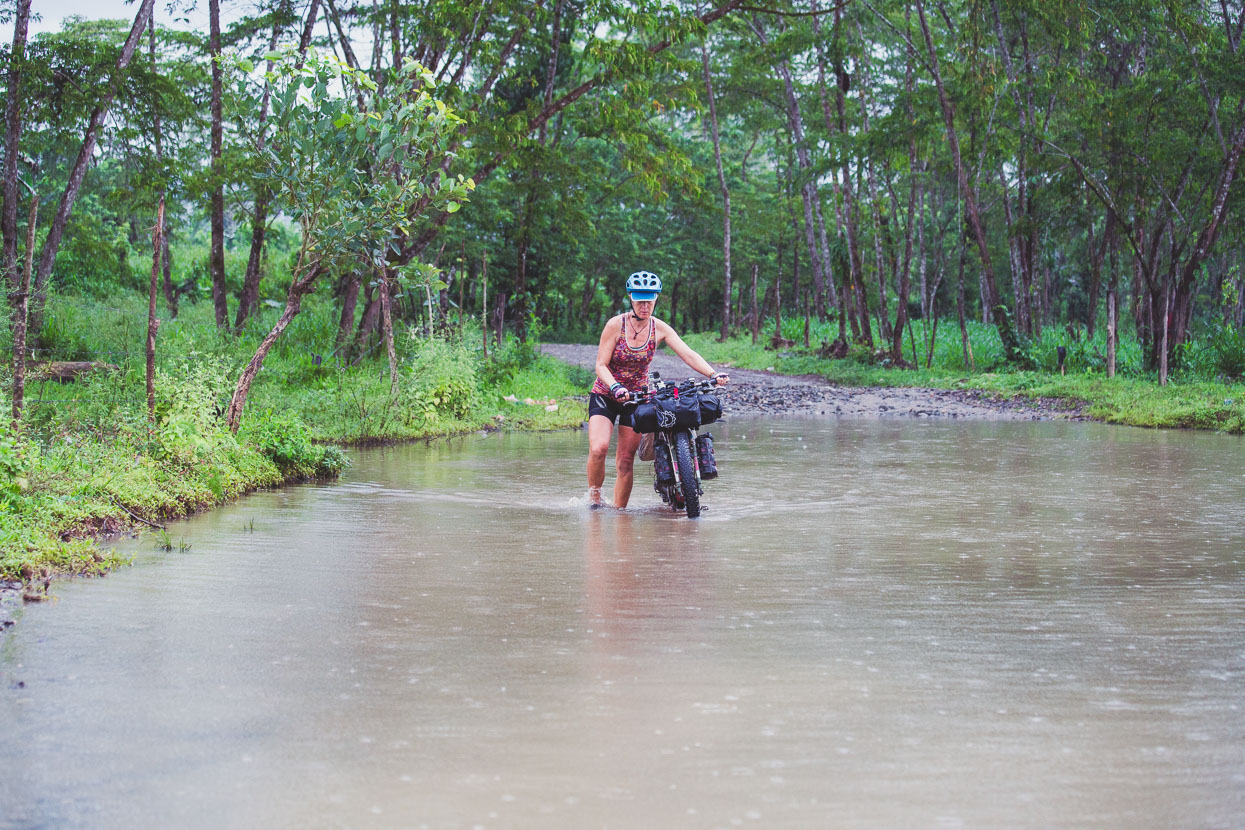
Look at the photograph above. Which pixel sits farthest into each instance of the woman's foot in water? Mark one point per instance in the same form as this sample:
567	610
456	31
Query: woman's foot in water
594	498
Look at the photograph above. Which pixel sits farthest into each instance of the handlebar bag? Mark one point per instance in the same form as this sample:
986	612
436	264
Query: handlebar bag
668	413
710	409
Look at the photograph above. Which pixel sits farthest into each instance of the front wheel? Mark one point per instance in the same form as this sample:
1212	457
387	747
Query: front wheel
685	457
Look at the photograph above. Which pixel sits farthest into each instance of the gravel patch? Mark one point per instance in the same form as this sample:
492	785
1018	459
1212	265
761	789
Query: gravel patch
754	392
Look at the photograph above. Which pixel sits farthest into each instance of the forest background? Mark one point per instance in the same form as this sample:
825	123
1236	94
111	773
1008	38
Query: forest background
354	220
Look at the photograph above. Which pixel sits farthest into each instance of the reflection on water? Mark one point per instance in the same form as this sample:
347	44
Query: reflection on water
875	624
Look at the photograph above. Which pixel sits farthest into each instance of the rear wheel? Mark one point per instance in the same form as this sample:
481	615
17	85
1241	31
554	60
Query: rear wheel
685	457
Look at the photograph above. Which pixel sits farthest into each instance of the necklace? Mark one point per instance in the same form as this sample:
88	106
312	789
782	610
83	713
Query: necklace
636	331
628	335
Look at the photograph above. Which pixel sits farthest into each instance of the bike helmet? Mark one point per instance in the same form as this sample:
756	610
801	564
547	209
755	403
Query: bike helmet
643	285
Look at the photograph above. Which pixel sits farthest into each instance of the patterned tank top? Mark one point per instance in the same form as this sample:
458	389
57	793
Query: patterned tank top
629	365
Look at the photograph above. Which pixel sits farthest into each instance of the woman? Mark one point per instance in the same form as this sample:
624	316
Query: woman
623	358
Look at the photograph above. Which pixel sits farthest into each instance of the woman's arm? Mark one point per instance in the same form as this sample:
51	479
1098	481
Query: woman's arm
666	334
609	339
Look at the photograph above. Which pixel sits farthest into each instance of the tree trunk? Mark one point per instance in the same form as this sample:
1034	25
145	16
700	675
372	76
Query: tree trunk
51	244
345	321
1167	304
1011	347
166	265
216	252
521	290
293	304
1097	251
157	245
965	345
368	323
387	324
756	316
905	274
1111	332
851	206
484	301
248	298
21	309
726	195
12	138
778	293
499	319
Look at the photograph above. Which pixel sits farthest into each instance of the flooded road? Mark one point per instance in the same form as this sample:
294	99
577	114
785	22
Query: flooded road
876	624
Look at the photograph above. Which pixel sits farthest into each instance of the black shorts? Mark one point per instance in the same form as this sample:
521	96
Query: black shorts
610	407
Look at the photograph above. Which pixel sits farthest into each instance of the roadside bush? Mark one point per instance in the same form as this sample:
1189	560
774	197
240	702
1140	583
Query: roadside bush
445	383
285	440
16	459
505	362
1220	354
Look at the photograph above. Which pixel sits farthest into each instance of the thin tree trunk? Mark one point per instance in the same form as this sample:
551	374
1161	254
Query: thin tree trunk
807	314
248	299
1011	347
1111	332
12	138
216	251
499	319
369	322
778	295
756	315
162	262
21	311
726	195
157	245
304	42
905	274
1097	251
387	323
529	203
484	301
293	304
51	244
1167	302
166	265
965	346
345	321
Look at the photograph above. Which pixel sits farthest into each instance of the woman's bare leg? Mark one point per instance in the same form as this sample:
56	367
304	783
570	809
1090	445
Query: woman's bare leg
624	460
599	430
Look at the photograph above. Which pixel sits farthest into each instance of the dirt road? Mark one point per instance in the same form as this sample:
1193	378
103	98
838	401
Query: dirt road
754	392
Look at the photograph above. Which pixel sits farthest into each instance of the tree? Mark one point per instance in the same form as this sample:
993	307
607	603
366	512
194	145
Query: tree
349	177
85	152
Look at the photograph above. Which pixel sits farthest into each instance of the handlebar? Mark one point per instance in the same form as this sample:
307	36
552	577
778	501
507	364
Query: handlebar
661	389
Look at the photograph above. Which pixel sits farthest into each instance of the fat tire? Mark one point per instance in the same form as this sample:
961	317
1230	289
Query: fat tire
685	457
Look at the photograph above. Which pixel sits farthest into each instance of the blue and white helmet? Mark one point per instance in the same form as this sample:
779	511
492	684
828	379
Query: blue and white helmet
643	285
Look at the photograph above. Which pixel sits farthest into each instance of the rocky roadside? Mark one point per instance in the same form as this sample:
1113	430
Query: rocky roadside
753	392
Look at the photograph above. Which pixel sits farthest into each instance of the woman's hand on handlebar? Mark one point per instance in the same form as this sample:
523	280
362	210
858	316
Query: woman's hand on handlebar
720	378
620	392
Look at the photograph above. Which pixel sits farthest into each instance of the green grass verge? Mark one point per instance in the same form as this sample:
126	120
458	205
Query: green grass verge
1184	403
86	461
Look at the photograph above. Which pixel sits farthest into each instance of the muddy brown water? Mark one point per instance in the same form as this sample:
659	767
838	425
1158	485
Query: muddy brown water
876	624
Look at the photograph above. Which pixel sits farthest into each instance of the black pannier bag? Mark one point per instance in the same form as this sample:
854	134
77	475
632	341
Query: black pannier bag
668	413
704	455
710	409
661	462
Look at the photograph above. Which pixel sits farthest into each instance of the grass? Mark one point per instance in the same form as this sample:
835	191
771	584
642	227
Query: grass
87	462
